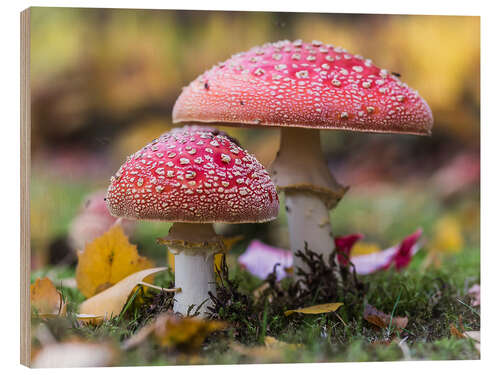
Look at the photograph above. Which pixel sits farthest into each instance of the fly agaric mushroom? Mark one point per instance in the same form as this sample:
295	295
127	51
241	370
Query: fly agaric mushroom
304	88
193	177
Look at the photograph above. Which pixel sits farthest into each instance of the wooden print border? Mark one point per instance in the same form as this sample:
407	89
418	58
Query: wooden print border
25	188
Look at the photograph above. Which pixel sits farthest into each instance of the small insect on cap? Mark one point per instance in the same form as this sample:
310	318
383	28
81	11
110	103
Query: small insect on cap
308	85
194	175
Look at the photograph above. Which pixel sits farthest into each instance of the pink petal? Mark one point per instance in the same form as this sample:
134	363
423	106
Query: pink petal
344	245
406	250
475	293
259	259
93	220
369	263
399	255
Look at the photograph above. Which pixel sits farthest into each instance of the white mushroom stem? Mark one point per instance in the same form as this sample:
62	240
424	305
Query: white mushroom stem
194	274
194	248
301	171
308	222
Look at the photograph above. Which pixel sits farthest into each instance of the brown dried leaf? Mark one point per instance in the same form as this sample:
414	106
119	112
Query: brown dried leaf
383	320
46	300
456	332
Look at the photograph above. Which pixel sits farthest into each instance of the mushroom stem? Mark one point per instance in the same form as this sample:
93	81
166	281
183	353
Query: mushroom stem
308	222
194	274
194	265
301	171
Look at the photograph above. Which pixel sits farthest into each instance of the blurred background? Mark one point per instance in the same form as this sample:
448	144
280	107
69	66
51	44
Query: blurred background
103	84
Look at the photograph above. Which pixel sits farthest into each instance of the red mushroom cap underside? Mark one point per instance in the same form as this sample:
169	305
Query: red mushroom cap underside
193	175
308	85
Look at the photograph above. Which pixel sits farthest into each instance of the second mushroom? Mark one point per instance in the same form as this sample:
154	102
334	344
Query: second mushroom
193	177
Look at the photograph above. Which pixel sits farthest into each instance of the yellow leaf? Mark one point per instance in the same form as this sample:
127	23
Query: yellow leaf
448	236
186	333
258	354
107	260
317	309
230	241
171	331
111	301
46	300
273	343
363	248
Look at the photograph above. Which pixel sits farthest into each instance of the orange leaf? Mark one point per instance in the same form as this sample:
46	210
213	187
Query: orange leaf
46	300
383	320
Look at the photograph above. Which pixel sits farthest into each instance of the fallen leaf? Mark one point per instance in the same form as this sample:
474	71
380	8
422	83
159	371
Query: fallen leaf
259	354
447	235
260	259
475	293
186	334
107	260
317	309
448	239
75	353
456	332
273	343
383	320
46	300
90	319
229	242
110	302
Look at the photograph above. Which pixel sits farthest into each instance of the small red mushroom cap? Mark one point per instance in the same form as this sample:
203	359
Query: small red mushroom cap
193	174
309	85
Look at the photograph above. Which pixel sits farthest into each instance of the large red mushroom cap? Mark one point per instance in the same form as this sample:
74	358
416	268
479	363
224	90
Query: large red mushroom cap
308	85
195	175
